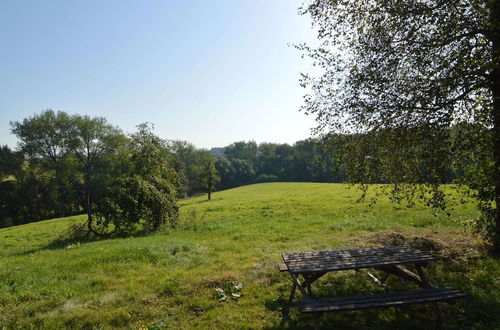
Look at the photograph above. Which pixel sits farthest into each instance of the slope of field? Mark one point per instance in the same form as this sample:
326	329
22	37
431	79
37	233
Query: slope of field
169	279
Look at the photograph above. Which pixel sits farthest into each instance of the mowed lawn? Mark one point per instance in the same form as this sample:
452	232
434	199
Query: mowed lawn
169	279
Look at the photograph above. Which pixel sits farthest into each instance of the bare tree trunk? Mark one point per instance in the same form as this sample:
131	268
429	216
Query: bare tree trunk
209	191
86	182
88	207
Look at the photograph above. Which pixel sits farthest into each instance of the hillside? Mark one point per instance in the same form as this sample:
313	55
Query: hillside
169	279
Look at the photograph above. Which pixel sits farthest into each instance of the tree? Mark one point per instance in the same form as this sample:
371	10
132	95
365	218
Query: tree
242	150
188	161
243	172
10	162
234	173
145	197
400	78
91	140
46	139
209	176
226	172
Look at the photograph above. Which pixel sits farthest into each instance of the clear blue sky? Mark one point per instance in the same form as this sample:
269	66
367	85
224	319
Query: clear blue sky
209	72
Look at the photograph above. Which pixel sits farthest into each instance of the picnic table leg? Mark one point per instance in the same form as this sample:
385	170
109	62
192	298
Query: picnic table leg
439	315
405	274
307	284
292	294
423	277
376	280
435	307
300	286
384	277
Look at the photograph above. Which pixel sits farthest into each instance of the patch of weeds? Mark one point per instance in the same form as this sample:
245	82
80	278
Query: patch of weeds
220	280
156	325
390	239
176	249
197	309
450	246
170	288
425	244
229	290
276	303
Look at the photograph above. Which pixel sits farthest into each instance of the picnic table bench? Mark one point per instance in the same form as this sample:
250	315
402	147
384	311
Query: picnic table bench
307	267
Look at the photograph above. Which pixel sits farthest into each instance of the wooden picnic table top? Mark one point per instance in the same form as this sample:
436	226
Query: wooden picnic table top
335	260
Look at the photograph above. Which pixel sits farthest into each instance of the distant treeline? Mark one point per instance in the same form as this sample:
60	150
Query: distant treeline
65	163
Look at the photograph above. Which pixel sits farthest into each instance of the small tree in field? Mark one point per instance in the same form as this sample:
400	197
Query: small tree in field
146	197
209	176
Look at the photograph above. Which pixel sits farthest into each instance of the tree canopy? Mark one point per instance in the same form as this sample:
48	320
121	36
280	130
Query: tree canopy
209	176
411	88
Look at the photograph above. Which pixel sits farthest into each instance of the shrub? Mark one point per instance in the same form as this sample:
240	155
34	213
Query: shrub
137	202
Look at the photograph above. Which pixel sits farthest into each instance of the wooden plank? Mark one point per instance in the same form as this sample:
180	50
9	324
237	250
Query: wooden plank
334	266
380	300
345	256
350	257
387	296
402	273
358	260
355	252
375	279
356	257
361	306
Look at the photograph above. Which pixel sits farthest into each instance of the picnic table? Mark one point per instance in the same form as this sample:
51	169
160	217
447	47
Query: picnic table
306	268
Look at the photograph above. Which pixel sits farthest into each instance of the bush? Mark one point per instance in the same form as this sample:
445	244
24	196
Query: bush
139	203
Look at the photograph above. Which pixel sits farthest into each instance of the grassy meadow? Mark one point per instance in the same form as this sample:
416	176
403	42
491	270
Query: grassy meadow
170	279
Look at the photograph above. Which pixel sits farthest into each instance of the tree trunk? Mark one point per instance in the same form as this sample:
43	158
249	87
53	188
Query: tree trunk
496	117
209	192
88	206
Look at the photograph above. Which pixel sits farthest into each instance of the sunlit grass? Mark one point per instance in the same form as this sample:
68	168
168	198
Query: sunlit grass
168	279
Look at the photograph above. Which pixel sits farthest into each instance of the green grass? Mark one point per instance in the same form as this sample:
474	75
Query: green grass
168	280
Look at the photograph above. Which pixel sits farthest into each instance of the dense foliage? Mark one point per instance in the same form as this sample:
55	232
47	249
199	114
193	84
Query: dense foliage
125	182
412	88
71	164
144	198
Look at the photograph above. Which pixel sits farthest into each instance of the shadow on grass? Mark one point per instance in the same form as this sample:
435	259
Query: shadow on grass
478	278
202	201
383	319
77	234
478	312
